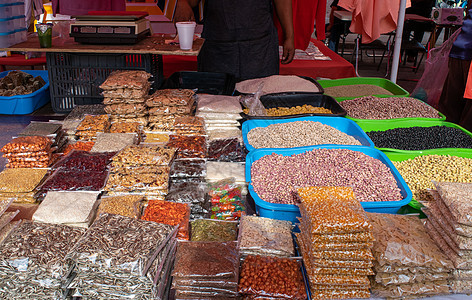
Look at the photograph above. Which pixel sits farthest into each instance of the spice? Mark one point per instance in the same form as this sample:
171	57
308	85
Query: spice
170	213
272	277
298	134
213	231
207	260
20	180
128	205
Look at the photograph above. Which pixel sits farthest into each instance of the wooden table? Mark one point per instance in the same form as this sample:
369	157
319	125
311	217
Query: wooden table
77	70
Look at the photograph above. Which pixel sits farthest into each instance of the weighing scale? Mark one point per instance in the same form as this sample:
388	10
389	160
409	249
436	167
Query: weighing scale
110	27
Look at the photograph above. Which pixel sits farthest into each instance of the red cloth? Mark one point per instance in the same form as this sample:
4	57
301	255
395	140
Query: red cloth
82	7
335	68
305	12
371	18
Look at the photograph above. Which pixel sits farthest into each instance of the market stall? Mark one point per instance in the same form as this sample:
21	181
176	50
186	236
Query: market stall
152	195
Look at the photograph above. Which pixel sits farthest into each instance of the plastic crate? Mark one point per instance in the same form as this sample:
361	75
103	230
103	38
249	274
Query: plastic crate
396	156
25	104
291	212
76	77
299	99
204	82
395	89
344	125
383	126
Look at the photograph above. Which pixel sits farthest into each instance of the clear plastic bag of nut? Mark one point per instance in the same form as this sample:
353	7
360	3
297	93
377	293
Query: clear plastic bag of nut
264	236
27	144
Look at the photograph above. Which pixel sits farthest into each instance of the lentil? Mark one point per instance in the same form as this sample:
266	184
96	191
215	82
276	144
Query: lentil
421	138
274	177
297	134
355	90
213	231
272	277
21	180
169	213
128	205
420	172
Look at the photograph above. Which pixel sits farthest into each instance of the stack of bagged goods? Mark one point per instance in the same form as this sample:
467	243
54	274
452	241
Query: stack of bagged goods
226	200
78	171
449	224
206	270
49	129
76	116
218	170
32	260
125	94
120	257
142	169
165	105
20	83
67	208
221	115
28	152
114	142
91	126
336	241
188	146
277	84
408	263
188	186
266	237
169	213
189	125
19	184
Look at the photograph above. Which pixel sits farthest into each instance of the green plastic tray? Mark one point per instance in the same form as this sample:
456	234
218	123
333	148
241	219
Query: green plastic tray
393	156
381	125
395	89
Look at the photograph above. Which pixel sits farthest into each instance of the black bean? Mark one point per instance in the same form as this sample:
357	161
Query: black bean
421	138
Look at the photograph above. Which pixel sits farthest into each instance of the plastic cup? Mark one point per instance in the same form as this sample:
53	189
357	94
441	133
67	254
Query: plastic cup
185	31
44	34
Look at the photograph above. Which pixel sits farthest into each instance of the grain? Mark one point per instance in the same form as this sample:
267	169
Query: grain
298	134
355	90
21	180
374	108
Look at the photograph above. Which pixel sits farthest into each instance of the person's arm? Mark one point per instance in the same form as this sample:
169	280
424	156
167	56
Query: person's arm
283	8
183	10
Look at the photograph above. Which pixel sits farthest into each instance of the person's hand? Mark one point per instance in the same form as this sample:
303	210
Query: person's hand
183	12
289	51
